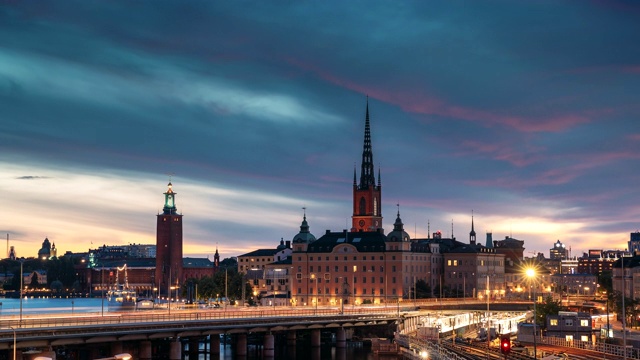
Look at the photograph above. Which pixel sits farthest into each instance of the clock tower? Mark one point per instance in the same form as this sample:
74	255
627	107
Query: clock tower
367	214
168	245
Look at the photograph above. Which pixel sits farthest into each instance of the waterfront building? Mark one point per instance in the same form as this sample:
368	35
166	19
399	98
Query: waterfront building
262	266
40	277
361	264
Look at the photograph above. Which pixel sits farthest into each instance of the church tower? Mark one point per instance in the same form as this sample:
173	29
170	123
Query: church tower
168	244
472	233
367	214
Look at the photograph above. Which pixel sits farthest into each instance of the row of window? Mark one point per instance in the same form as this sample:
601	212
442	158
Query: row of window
569	322
346	258
336	291
473	263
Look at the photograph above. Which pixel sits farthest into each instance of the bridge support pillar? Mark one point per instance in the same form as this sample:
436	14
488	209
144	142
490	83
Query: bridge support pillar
94	353
291	338
214	346
315	338
341	338
175	350
116	348
145	350
241	345
194	348
268	346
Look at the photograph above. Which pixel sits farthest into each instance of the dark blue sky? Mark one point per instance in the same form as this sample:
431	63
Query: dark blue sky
525	112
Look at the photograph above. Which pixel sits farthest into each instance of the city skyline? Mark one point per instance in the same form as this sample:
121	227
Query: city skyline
524	113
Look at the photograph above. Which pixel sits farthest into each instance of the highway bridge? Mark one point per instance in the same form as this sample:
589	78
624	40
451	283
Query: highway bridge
144	334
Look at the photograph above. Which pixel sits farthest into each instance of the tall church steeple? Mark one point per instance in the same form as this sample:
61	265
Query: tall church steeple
367	177
367	214
472	234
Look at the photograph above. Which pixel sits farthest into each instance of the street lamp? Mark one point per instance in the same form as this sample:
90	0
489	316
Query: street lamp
531	273
21	284
314	277
14	341
274	286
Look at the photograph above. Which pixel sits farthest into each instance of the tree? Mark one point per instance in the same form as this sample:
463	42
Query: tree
57	286
34	281
548	307
423	290
605	280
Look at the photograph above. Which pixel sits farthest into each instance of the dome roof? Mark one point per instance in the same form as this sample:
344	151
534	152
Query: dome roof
398	233
304	236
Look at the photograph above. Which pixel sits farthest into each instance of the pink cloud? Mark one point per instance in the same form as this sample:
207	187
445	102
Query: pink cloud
420	103
500	152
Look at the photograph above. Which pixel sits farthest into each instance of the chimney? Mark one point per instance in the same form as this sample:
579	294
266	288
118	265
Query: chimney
288	244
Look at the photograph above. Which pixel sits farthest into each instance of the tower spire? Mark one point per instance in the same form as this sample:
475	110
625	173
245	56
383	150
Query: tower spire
354	174
472	234
367	208
367	175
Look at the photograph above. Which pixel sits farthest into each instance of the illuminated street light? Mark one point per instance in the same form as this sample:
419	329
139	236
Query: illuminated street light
531	273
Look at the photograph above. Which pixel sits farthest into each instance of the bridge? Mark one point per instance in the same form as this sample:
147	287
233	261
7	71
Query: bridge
113	333
115	330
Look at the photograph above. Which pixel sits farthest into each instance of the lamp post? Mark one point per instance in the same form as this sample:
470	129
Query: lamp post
102	290
274	286
531	273
14	341
624	315
488	318
21	281
313	276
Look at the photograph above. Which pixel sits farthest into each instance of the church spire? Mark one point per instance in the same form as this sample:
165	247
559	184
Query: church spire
367	206
472	234
354	174
367	175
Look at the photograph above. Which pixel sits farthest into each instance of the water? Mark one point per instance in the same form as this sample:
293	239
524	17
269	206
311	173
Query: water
40	306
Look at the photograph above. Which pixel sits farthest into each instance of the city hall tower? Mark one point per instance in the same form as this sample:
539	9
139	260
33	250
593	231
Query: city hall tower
168	245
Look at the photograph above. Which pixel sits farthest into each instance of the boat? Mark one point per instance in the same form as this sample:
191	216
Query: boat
120	296
145	304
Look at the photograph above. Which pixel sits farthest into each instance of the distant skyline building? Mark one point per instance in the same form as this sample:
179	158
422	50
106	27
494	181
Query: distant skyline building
169	262
558	251
634	243
47	251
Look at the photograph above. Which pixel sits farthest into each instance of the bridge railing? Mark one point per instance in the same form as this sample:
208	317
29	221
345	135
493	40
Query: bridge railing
153	316
618	350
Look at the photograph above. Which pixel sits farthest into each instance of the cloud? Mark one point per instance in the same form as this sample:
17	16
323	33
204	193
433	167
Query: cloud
31	177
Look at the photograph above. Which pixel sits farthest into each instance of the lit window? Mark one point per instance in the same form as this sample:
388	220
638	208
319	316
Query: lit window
584	322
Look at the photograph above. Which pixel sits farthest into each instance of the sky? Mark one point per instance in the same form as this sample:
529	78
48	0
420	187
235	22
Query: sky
524	113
